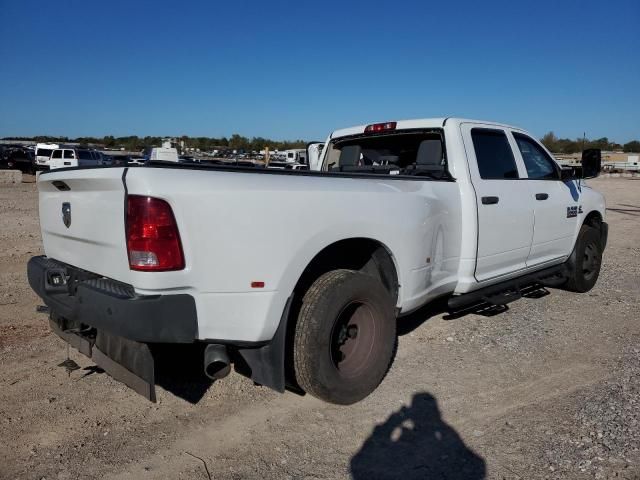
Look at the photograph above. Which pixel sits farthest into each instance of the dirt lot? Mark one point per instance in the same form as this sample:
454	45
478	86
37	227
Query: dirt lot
548	389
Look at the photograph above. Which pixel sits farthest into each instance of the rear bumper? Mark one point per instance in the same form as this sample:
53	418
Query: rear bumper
86	299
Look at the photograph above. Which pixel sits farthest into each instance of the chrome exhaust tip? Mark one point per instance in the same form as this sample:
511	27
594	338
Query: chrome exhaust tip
216	361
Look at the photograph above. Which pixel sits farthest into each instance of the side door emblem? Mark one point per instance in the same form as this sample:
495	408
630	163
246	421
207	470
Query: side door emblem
66	214
574	211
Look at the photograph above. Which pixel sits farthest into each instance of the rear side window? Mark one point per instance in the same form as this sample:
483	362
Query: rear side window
56	154
494	155
538	163
85	155
69	154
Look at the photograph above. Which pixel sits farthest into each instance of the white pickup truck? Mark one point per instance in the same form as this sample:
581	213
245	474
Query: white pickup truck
308	298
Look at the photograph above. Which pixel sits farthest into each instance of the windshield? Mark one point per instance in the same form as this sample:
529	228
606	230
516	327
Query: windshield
43	152
397	153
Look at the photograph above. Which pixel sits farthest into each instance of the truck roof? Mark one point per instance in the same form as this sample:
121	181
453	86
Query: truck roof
417	123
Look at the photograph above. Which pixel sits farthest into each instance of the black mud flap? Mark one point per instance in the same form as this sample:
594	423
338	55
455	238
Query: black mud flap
265	365
125	360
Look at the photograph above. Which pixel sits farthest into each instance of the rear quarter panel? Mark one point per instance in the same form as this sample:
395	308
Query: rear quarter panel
242	227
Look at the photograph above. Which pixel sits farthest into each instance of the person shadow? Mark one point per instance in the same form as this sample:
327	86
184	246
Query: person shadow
415	442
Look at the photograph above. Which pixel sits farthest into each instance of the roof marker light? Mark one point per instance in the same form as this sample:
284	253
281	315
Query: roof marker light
380	127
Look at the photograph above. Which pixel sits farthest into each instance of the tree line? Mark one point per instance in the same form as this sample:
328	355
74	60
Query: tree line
134	143
566	145
238	142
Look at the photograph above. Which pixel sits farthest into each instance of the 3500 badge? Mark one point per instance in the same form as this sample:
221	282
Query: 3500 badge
574	211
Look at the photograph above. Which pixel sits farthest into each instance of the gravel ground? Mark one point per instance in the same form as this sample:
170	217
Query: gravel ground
549	388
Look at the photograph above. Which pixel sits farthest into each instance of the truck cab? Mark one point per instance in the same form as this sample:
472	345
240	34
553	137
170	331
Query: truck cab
507	181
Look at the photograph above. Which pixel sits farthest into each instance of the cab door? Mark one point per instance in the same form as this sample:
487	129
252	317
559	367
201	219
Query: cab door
555	203
505	215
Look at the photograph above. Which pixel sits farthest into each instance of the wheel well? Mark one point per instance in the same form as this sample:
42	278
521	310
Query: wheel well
362	254
594	219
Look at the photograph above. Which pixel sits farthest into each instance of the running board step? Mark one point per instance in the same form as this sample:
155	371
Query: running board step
503	298
509	290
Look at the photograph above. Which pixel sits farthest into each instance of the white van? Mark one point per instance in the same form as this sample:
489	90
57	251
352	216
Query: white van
164	154
43	153
74	157
296	155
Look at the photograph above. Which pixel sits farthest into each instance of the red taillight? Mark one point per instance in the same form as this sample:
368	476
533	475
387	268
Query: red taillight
153	240
380	127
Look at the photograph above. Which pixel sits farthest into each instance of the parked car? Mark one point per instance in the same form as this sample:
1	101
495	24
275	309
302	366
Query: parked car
306	297
5	150
137	160
106	159
21	159
118	160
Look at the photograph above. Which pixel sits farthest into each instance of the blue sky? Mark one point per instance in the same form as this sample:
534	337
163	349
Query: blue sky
289	70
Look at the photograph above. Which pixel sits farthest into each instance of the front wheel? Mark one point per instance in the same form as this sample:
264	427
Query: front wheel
345	337
585	261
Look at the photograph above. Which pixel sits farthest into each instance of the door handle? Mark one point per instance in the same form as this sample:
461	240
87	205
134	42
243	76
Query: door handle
490	200
542	196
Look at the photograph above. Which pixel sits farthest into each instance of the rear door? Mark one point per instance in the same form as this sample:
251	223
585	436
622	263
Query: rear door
505	215
56	159
555	203
69	159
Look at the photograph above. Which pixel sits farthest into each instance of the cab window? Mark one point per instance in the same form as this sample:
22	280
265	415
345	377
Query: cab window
416	153
69	154
538	163
494	155
56	154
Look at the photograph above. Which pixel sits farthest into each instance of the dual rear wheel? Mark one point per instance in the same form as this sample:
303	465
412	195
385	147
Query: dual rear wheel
345	337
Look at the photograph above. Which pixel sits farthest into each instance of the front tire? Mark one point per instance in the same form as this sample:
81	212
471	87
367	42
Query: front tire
585	260
345	337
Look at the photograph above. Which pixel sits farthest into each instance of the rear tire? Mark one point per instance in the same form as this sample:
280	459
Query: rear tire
345	337
585	260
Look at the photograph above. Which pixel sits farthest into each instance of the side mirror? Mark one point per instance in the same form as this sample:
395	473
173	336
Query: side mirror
569	173
591	162
314	153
